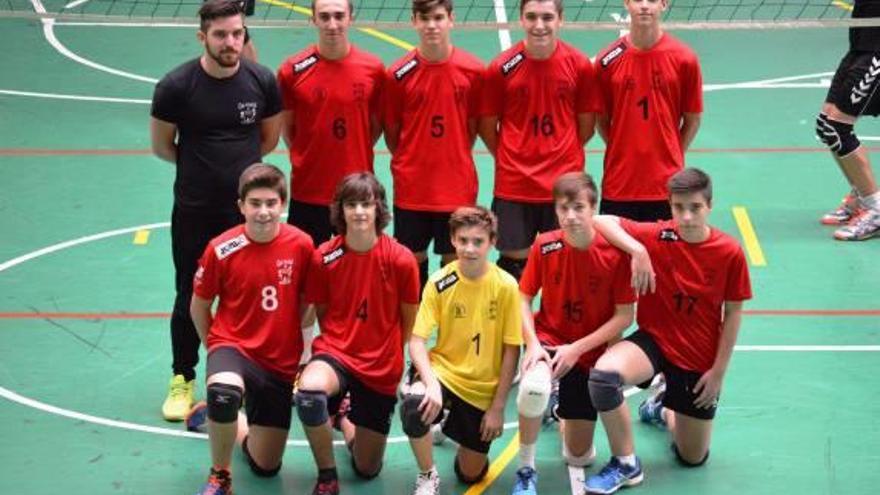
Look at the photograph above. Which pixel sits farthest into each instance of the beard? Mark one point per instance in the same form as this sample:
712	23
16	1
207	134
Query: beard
227	58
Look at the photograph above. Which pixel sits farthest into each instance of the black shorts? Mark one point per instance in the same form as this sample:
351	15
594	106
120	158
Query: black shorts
639	211
519	222
574	396
268	399
855	83
680	382
416	229
312	219
368	409
463	420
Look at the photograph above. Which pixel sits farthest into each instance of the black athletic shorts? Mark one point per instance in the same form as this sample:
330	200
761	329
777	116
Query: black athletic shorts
416	229
368	409
519	222
639	211
574	396
855	83
268	399
680	382
312	219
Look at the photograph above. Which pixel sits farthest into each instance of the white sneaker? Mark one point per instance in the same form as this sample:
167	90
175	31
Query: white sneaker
427	483
863	227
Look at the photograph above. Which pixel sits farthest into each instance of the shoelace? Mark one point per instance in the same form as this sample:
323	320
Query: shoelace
525	477
178	389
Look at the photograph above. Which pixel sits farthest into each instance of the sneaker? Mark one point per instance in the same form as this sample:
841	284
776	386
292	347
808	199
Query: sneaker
179	400
863	227
219	483
614	476
526	481
550	414
329	487
197	418
846	211
651	409
427	483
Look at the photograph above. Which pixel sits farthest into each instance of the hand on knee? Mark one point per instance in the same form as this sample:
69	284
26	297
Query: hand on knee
534	391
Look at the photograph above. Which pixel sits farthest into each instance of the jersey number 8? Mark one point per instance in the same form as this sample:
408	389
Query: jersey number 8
269	301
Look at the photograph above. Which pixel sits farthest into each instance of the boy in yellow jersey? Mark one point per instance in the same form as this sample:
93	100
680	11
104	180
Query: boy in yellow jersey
474	307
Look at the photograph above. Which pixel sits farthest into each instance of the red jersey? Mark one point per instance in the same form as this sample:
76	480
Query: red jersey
537	103
362	293
259	286
645	94
332	102
579	289
684	315
433	167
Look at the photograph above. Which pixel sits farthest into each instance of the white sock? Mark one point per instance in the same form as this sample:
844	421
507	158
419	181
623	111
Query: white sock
629	460
871	202
527	455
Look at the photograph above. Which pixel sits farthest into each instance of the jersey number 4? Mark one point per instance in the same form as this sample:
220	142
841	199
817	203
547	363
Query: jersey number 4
684	302
361	313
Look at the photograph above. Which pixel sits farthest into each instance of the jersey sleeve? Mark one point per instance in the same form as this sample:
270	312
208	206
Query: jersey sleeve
530	282
316	283
408	277
167	101
692	85
307	253
428	316
493	92
512	331
739	286
206	282
601	88
587	89
640	231
623	292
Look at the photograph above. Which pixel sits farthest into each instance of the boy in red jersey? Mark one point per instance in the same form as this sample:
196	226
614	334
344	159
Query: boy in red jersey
687	330
258	271
650	86
331	97
431	99
365	289
586	301
536	117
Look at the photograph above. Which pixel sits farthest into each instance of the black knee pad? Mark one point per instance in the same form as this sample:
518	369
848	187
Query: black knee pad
838	136
470	481
224	401
411	417
311	407
684	462
606	389
255	468
512	266
361	474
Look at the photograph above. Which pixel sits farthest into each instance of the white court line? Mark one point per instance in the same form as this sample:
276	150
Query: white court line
56	96
808	348
151	25
49	33
75	3
501	18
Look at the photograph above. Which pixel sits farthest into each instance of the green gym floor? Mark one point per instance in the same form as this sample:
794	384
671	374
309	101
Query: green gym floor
86	278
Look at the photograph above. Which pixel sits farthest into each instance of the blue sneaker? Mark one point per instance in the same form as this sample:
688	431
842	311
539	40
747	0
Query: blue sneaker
197	418
651	409
219	483
526	482
614	476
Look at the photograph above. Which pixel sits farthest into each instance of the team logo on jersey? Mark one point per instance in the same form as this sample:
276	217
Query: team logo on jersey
232	245
334	255
668	235
593	283
319	93
549	247
512	62
564	90
613	54
359	91
406	69
446	282
492	310
247	112
285	271
459	310
305	63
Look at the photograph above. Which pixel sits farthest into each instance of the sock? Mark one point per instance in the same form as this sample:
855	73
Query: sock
872	201
327	474
629	460
527	455
429	472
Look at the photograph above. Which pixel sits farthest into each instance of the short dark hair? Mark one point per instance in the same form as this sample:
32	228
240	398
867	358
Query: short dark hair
359	186
691	180
262	175
569	185
556	3
218	9
350	8
426	6
473	216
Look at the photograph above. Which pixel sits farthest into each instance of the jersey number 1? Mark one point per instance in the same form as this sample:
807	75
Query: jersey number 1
476	340
644	104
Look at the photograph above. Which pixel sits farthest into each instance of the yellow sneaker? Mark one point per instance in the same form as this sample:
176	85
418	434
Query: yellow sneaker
179	400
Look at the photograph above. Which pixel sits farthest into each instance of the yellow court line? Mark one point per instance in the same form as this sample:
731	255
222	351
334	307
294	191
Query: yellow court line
370	31
843	5
141	237
496	467
753	247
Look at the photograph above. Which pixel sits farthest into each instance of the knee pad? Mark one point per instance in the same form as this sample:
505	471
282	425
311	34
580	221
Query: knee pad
580	461
838	136
256	468
311	407
224	401
512	266
470	481
411	417
364	475
534	391
606	389
684	462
